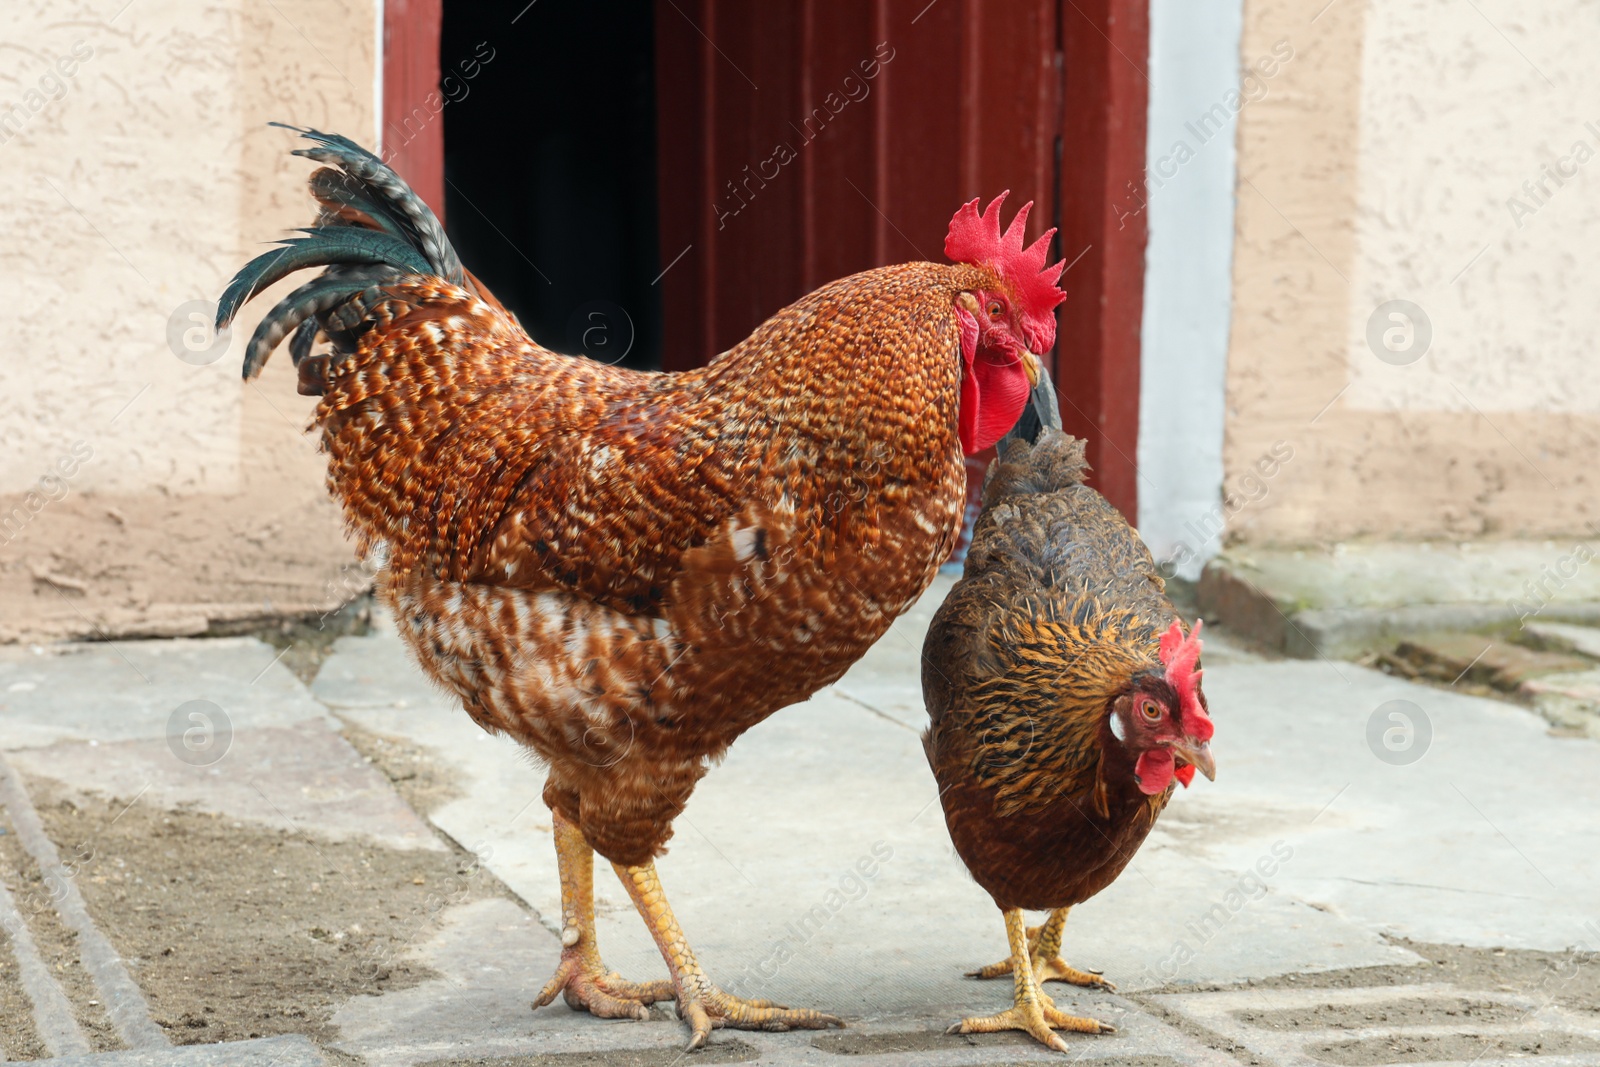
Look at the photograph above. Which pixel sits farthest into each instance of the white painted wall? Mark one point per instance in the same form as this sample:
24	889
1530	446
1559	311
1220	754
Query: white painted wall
1195	96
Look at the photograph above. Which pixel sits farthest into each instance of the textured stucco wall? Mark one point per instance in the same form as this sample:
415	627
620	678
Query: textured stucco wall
140	492
1379	169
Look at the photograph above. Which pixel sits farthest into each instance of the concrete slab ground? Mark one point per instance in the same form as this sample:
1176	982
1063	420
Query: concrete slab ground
1342	600
812	867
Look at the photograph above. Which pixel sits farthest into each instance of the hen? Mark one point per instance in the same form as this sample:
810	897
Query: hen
1065	704
625	571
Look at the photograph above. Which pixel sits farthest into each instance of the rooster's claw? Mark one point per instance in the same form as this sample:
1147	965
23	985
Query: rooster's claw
586	985
707	1009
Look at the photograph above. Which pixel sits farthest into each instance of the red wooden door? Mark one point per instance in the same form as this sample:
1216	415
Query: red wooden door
802	141
413	126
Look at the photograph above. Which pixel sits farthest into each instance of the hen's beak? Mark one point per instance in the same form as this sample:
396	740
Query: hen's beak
1030	367
1198	755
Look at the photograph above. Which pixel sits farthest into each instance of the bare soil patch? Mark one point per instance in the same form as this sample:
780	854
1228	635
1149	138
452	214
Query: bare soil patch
237	932
416	773
57	942
18	1039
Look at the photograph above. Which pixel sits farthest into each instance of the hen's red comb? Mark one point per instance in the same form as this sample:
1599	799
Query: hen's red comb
976	239
1179	654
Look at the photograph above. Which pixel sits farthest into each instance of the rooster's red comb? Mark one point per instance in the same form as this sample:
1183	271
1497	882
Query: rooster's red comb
976	239
1179	654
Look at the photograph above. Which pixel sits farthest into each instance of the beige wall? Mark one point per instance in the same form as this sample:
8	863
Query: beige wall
1379	168
173	494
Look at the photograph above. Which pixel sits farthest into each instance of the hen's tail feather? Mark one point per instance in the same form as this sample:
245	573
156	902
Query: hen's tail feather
403	206
300	307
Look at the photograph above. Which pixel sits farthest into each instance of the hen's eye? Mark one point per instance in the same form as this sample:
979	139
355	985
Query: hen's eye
996	309
1150	710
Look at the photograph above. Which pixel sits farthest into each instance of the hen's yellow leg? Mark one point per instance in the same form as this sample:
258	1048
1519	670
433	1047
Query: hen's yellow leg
582	976
1044	950
1030	1010
702	1005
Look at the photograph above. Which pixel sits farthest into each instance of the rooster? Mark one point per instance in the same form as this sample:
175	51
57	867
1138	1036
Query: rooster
624	571
1065	704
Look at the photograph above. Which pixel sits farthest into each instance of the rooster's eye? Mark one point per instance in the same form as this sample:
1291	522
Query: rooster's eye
1150	710
996	309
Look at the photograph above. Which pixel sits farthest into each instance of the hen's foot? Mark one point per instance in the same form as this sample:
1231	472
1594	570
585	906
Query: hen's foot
586	985
1039	1019
700	1004
1056	969
1031	1011
1044	952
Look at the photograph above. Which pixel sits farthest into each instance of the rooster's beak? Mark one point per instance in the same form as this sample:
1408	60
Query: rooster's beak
1198	755
1030	367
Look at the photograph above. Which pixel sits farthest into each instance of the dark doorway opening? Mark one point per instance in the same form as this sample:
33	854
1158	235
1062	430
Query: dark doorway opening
550	167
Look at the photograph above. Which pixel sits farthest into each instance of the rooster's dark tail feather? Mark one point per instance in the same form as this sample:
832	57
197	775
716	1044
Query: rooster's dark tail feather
372	229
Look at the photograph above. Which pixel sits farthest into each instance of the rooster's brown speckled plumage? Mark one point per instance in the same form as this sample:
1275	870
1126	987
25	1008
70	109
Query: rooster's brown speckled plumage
1035	672
625	571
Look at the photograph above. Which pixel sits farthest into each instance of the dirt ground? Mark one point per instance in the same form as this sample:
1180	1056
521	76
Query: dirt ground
57	944
18	1038
237	932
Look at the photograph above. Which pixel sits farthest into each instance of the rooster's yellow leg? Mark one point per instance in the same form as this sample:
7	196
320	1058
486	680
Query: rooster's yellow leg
582	976
1030	1010
702	1005
1044	949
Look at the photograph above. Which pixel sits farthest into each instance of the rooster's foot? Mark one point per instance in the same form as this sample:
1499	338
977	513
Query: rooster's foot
700	1004
705	1008
586	985
1039	1019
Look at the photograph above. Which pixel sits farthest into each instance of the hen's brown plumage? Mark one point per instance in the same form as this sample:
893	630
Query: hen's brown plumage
1061	607
1029	671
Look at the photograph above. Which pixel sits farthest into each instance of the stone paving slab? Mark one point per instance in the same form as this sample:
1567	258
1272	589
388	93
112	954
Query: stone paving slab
133	690
478	1007
1521	1021
1479	828
301	777
1343	599
1582	639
